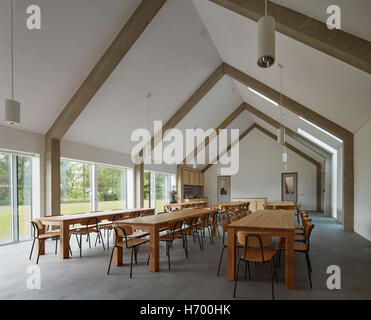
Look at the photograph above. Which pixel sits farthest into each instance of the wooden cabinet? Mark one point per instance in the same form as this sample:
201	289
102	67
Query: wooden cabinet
186	177
193	177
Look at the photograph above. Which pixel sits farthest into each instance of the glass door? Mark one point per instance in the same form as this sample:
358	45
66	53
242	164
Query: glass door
5	199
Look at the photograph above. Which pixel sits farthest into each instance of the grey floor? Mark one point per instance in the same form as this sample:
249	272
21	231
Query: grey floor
86	278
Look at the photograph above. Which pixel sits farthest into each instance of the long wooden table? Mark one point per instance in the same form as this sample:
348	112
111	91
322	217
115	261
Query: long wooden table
154	224
189	204
222	205
278	223
284	205
64	222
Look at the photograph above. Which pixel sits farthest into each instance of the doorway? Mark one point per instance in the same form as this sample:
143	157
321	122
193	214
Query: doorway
224	189
289	186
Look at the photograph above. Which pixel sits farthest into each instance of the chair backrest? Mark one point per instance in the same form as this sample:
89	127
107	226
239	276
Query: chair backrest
308	231
191	221
204	217
261	240
175	226
122	232
255	241
117	217
36	225
89	221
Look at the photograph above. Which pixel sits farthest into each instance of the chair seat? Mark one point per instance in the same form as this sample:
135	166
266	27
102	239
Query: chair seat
132	243
255	255
49	235
299	237
84	230
139	234
188	231
169	237
298	246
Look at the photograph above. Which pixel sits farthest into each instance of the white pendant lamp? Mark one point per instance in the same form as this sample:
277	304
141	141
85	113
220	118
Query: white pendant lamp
266	40
281	135
12	107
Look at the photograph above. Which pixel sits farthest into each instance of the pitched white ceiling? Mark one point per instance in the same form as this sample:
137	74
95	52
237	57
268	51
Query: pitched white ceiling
51	63
171	59
355	15
324	84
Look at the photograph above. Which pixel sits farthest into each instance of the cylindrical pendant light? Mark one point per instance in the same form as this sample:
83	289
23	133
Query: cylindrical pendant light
12	111
284	157
12	107
266	40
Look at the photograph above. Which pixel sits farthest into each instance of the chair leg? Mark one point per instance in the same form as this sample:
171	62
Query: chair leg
199	241
185	245
149	255
168	256
96	240
131	263
236	278
210	234
247	269
38	254
136	255
272	276
310	265
80	245
220	260
308	268
89	240
110	260
56	246
33	243
275	268
100	236
108	235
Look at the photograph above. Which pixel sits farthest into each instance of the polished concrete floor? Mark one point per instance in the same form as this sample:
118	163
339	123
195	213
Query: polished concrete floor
195	278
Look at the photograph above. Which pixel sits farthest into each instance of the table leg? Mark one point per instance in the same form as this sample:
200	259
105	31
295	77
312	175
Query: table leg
289	269
154	244
40	245
118	253
231	267
65	240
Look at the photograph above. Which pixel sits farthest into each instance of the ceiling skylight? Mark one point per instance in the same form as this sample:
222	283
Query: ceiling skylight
263	96
317	127
317	141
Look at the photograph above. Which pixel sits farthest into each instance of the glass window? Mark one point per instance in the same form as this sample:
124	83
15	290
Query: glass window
112	188
5	199
147	189
161	191
24	196
75	187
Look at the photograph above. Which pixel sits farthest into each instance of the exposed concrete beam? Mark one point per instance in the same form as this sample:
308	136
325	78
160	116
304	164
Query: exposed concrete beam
126	38
221	126
309	144
243	135
322	122
306	157
139	185
206	86
336	43
52	177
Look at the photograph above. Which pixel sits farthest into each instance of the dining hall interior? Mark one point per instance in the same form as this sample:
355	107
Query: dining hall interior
185	149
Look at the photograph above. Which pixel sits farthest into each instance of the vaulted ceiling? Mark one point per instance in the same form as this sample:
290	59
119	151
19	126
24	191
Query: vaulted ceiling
181	47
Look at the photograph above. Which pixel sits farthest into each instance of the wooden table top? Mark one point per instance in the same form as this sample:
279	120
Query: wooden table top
164	217
281	203
92	215
283	220
234	203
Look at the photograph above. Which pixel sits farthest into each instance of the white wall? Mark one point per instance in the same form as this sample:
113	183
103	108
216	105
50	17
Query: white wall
362	181
260	172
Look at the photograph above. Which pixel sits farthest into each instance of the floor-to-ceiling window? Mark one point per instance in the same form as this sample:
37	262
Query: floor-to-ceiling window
15	197
112	188
75	187
87	187
157	187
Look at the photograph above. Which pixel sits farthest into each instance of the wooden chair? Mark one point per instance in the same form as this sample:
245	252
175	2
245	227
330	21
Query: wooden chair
174	232
302	247
88	226
256	250
213	223
224	225
41	237
190	230
107	227
203	223
128	241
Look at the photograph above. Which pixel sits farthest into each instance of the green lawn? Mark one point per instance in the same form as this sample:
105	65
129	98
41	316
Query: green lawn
6	220
66	208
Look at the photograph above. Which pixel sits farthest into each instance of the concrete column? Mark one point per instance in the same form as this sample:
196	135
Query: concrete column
52	176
